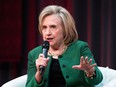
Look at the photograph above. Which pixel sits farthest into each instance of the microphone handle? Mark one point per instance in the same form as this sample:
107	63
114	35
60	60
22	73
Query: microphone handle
42	68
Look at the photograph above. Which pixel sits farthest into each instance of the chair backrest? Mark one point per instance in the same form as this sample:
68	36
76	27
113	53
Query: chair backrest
17	82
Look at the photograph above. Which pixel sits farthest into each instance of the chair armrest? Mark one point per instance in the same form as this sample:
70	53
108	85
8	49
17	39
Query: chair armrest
109	77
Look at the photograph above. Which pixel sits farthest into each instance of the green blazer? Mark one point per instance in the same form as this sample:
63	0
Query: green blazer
73	77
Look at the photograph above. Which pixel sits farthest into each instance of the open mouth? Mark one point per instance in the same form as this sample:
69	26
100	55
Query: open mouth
49	39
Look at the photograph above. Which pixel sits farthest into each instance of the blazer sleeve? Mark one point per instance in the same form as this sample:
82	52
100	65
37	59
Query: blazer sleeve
85	51
31	81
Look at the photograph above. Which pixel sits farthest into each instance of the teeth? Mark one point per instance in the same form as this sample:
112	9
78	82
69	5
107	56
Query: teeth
49	38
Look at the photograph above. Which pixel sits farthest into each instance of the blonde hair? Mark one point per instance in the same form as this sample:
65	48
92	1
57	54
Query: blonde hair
69	31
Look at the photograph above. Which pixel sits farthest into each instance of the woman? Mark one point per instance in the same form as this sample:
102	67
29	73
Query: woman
70	62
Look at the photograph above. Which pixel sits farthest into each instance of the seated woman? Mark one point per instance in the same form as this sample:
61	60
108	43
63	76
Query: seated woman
70	62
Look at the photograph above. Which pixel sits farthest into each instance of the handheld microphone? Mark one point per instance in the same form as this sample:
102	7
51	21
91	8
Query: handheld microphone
45	48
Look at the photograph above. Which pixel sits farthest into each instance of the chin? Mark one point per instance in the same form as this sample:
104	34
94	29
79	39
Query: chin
52	44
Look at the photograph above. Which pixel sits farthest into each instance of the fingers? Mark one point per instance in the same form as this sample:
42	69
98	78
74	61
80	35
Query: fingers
86	60
41	61
82	60
76	67
85	64
90	61
89	64
93	65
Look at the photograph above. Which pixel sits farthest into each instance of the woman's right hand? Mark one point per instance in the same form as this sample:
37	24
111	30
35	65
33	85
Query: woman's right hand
40	61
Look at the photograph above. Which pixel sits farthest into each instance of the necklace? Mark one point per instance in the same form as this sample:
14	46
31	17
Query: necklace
57	53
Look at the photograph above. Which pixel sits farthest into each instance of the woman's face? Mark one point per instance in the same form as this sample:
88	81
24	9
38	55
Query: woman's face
52	30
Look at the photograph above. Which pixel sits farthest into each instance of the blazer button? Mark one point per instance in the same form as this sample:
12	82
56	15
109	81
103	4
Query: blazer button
67	76
60	56
63	66
45	80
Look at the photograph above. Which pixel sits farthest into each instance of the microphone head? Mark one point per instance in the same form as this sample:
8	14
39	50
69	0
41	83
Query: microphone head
45	45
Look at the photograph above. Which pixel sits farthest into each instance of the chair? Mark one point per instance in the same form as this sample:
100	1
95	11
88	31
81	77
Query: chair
109	79
17	82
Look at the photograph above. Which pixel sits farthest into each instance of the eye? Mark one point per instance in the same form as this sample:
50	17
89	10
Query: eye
53	26
44	27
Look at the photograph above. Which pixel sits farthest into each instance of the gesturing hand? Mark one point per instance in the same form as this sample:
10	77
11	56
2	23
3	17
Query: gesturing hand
85	65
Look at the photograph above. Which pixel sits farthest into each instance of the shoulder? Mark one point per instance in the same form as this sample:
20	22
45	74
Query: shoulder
80	43
78	46
35	51
38	48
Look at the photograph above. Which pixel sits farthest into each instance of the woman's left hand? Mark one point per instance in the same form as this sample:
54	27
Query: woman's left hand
85	64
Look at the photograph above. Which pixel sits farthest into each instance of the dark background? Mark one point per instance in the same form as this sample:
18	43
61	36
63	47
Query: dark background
95	21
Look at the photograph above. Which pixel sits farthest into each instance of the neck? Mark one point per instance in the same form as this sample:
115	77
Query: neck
57	47
57	50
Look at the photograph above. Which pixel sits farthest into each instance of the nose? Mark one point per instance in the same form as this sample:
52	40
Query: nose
48	31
